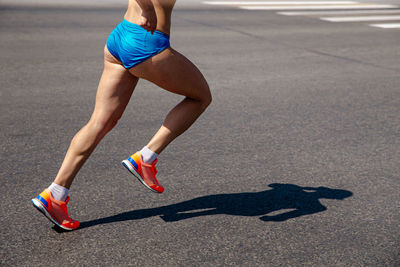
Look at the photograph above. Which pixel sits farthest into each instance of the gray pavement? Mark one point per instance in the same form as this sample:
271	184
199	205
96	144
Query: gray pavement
295	163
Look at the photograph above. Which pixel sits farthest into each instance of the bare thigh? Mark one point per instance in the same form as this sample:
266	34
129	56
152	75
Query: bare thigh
114	91
172	71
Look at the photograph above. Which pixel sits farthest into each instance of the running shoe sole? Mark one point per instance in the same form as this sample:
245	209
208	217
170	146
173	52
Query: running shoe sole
132	170
36	203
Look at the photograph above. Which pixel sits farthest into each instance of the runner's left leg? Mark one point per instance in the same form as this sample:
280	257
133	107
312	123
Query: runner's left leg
113	94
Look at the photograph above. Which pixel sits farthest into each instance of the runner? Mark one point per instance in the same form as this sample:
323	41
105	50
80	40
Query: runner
137	48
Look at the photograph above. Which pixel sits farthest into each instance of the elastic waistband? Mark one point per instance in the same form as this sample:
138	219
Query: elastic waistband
134	26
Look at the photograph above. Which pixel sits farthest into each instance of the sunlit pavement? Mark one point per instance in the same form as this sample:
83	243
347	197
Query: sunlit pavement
295	163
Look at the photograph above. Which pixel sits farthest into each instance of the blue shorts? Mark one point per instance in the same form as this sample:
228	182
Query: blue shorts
131	44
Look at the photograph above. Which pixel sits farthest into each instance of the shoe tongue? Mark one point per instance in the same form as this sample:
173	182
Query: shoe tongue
154	162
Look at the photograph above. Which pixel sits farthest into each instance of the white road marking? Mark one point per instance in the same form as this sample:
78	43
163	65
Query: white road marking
249	3
346	8
348	12
360	18
387	25
323	7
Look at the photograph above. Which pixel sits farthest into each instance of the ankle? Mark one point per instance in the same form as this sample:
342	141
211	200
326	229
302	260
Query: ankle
148	156
58	192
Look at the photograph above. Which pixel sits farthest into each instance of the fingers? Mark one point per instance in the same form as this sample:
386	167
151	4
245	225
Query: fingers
151	27
149	23
148	26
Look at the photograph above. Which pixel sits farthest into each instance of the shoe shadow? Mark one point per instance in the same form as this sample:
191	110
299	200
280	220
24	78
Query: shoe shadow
287	200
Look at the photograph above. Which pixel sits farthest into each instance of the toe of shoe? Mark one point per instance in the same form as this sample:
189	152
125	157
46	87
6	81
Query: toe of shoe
157	188
72	225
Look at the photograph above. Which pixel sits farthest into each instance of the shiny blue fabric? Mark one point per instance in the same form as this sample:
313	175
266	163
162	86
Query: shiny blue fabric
131	44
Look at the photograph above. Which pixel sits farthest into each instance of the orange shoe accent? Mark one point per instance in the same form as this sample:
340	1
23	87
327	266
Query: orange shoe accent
145	173
56	211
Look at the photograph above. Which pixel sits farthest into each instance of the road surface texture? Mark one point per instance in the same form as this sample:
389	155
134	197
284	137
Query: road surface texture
295	163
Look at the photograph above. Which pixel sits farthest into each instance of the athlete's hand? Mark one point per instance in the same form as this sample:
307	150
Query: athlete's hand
148	18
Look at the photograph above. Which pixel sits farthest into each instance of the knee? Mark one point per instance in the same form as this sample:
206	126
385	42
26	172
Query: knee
206	98
101	126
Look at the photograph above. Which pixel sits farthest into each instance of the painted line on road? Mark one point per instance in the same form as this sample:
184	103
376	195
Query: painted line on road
325	7
360	18
387	25
249	3
348	12
344	10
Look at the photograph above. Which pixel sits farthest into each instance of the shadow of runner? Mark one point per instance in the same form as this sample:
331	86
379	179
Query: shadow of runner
300	200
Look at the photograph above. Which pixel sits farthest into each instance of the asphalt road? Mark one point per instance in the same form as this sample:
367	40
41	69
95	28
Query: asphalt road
295	163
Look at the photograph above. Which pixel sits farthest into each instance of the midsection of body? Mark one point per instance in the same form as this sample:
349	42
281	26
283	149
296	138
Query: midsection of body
163	9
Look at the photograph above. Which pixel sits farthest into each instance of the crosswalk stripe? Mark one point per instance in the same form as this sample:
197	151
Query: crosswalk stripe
347	9
360	18
349	12
387	25
323	7
249	3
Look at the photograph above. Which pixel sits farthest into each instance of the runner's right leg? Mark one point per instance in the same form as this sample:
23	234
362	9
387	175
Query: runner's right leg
175	73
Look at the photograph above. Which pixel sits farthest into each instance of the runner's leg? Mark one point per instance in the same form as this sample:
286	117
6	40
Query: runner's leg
114	91
174	72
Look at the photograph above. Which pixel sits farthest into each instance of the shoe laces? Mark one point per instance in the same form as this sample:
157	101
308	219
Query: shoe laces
153	167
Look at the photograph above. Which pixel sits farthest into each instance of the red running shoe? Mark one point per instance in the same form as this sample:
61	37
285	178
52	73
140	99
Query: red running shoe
146	173
56	211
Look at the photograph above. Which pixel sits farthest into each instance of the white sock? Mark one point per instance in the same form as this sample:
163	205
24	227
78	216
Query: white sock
148	155
59	192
